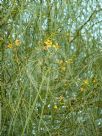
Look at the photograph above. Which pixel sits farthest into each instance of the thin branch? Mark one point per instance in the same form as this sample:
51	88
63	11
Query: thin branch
85	23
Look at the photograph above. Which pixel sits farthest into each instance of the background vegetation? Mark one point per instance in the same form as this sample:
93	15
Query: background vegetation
51	53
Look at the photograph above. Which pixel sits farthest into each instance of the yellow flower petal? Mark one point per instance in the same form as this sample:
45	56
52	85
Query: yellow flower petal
17	42
9	45
48	43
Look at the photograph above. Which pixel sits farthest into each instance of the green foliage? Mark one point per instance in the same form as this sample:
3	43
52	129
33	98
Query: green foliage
51	68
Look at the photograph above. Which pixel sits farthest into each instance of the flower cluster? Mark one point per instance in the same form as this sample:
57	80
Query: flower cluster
17	42
49	44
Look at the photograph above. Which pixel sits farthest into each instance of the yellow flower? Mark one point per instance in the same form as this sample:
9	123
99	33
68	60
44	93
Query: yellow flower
48	43
9	45
86	82
55	107
17	42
